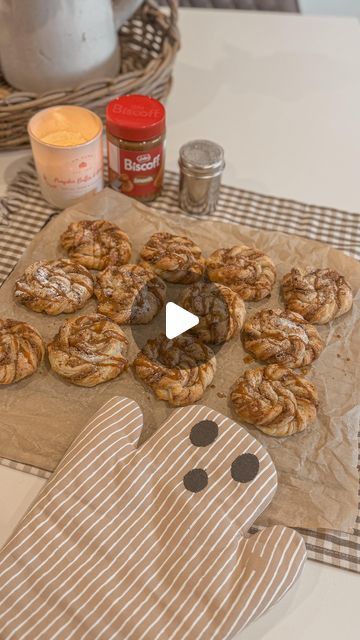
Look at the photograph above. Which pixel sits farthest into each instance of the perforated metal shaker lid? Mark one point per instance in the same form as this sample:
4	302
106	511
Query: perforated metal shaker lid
202	158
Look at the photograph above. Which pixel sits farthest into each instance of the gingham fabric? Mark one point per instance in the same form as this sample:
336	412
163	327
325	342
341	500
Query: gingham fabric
23	213
247	5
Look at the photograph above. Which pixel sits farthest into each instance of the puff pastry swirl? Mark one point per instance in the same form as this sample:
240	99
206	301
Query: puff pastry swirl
319	295
275	400
281	337
174	258
88	350
129	294
21	350
61	286
246	270
96	243
220	310
178	370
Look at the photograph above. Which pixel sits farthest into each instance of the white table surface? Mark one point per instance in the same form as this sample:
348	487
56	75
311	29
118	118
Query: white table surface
281	93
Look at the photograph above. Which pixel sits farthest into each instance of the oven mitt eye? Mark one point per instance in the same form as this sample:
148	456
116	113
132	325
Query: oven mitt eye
151	542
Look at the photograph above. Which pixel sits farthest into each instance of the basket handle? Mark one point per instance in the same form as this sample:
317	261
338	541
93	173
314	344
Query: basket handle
174	14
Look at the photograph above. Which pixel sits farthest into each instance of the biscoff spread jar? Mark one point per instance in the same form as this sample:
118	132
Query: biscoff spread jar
135	131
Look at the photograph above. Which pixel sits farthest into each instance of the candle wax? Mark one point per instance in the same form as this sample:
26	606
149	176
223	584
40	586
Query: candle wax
65	138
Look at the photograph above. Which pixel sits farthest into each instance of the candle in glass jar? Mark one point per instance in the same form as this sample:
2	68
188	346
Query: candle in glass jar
66	142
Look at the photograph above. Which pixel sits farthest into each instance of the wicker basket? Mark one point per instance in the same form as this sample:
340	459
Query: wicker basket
149	42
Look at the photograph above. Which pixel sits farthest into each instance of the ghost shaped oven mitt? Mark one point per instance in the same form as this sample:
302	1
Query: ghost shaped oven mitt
146	543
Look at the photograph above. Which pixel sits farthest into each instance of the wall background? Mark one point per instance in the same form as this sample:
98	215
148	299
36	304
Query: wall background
331	7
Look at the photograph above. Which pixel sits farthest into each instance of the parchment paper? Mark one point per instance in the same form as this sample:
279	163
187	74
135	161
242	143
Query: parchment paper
318	480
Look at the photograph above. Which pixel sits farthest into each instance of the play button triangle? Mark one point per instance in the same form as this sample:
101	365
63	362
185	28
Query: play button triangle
178	320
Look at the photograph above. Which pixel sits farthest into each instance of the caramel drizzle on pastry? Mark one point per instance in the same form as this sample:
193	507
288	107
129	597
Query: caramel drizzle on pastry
220	310
174	258
282	337
319	295
178	370
244	269
96	244
89	350
129	294
21	350
61	286
275	400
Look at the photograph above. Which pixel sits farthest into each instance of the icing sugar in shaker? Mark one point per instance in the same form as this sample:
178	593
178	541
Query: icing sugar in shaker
201	165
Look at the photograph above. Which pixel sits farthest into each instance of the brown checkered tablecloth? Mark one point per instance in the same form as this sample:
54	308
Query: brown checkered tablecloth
23	213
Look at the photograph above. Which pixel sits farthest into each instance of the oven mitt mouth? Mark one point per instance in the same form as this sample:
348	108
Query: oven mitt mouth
151	542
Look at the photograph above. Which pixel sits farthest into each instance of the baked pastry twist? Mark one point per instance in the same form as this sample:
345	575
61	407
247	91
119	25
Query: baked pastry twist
176	370
220	310
129	294
282	337
246	270
174	258
275	399
61	286
319	295
96	243
21	350
89	350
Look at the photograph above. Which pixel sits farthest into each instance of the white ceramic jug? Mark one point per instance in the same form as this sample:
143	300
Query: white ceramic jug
59	44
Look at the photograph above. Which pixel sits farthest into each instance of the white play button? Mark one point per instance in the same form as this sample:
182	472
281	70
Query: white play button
178	320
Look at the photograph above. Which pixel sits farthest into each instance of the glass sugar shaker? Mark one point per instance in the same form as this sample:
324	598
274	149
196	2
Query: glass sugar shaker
201	165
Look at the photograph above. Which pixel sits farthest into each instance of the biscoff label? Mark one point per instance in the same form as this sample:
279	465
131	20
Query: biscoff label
139	173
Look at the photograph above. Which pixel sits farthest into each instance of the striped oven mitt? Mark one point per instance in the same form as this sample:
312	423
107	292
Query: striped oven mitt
146	543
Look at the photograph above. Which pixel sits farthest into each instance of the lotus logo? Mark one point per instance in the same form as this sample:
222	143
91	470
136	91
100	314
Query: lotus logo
143	157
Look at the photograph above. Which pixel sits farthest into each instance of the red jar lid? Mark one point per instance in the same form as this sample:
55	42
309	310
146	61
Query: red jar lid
135	118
